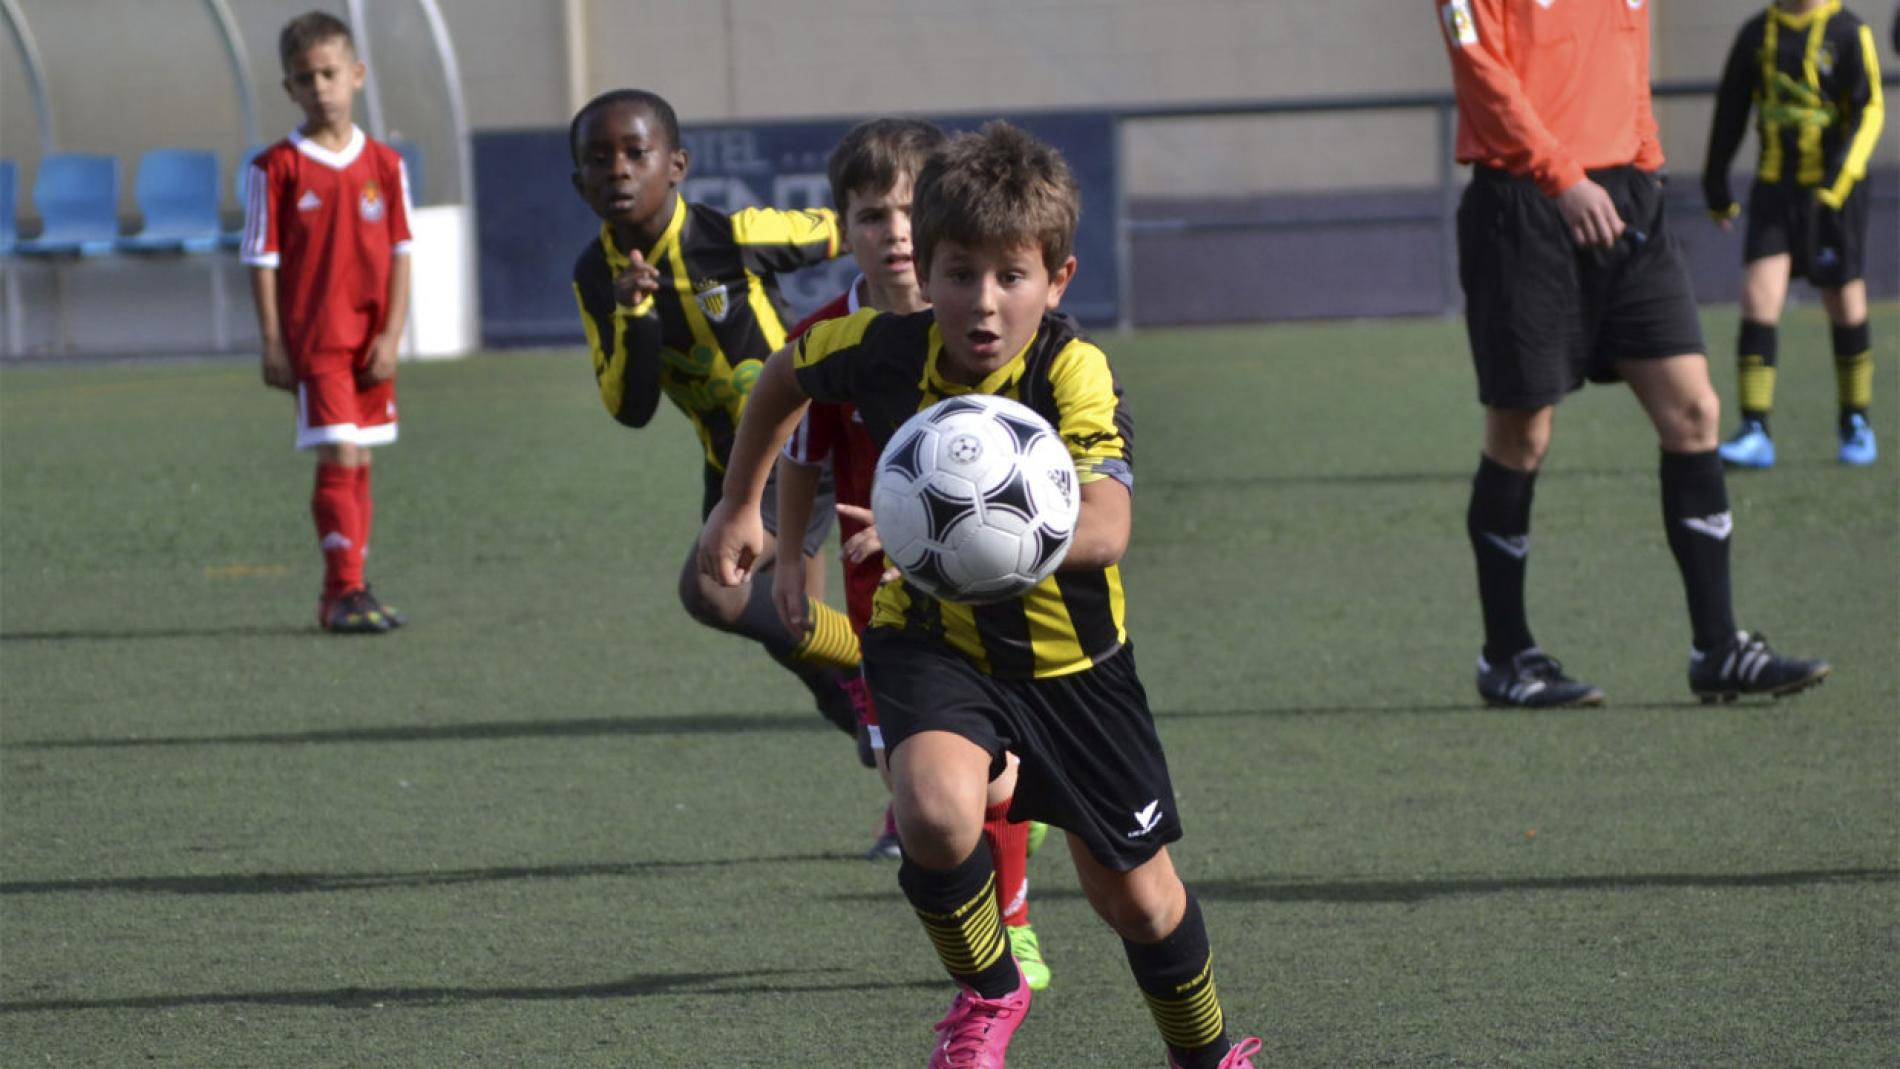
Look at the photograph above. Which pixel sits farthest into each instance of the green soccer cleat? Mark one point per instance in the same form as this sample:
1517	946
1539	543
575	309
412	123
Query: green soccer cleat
1038	831
1027	950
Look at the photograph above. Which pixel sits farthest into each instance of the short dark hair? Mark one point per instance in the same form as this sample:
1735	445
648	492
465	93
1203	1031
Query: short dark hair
309	30
878	152
999	186
653	102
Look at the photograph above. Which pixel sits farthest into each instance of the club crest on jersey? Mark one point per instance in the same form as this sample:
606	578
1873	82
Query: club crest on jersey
370	202
713	299
1458	24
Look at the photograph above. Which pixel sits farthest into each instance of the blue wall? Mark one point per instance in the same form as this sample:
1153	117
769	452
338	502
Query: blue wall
531	225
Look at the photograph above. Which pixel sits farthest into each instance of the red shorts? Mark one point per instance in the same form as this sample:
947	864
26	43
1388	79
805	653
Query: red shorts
332	409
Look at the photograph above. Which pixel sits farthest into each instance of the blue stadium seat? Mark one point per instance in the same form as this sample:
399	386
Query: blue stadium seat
241	186
177	191
78	198
9	193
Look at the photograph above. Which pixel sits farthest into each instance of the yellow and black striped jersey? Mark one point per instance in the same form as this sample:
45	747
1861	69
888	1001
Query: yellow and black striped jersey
702	338
887	365
1813	81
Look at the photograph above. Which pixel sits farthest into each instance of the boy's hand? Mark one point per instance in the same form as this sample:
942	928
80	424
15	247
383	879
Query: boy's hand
788	592
731	543
865	544
277	370
380	362
638	282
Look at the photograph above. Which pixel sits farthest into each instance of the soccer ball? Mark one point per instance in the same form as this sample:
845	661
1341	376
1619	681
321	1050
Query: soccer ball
975	499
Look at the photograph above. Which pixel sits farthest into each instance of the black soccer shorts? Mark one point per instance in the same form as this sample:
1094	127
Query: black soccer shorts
1091	762
1542	314
1824	246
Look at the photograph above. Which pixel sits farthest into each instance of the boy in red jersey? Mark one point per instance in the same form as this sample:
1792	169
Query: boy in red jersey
871	172
326	234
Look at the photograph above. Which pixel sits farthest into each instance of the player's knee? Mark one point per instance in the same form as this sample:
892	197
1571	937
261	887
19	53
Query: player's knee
1692	423
939	820
1138	917
699	597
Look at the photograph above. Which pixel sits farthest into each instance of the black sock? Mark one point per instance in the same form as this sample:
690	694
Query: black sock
1176	977
760	621
1755	356
1498	521
1697	518
1854	370
959	912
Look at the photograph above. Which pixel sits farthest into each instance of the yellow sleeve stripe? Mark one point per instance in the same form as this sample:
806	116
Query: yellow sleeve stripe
1872	117
610	360
833	336
798	229
1085	395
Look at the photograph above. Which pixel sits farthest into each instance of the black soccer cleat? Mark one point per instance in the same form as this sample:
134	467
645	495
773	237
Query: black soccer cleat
354	614
1747	666
1533	680
393	616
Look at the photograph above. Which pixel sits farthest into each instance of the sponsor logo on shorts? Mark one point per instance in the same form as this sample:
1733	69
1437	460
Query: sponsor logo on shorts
1146	818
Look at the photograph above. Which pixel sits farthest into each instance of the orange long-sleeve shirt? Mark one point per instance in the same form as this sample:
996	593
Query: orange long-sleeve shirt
1551	88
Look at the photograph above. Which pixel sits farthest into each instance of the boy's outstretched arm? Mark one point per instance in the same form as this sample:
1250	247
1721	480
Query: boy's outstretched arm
276	359
734	536
1102	526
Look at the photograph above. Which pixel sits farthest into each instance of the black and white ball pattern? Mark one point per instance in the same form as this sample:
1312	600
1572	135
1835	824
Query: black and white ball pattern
975	499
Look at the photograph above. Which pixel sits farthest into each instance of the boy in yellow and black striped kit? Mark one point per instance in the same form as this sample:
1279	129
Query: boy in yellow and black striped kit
682	300
1049	675
1809	71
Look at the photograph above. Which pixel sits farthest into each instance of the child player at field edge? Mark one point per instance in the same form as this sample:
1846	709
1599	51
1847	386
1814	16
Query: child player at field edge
1049	675
683	299
872	171
326	236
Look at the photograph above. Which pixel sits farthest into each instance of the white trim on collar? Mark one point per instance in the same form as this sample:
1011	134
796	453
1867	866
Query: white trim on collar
333	160
854	297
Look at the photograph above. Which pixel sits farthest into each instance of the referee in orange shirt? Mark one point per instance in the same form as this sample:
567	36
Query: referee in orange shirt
1570	273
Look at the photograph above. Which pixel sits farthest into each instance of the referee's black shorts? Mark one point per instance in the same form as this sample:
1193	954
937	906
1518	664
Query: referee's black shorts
1544	315
1091	762
1824	246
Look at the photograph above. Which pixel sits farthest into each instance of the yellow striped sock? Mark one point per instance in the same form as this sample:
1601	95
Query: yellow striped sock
1854	380
969	938
830	643
1193	1019
1757	382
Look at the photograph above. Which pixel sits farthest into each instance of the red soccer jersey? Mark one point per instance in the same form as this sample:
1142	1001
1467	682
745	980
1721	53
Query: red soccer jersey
835	431
329	223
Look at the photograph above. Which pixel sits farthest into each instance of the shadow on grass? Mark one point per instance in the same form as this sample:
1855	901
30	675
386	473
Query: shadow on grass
740	984
287	883
712	724
120	634
1396	891
586	727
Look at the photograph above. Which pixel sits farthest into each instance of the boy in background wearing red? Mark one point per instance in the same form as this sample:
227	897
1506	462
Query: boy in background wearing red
326	235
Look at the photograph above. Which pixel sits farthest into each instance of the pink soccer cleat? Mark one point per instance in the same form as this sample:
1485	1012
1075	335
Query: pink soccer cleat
1239	1056
975	1033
